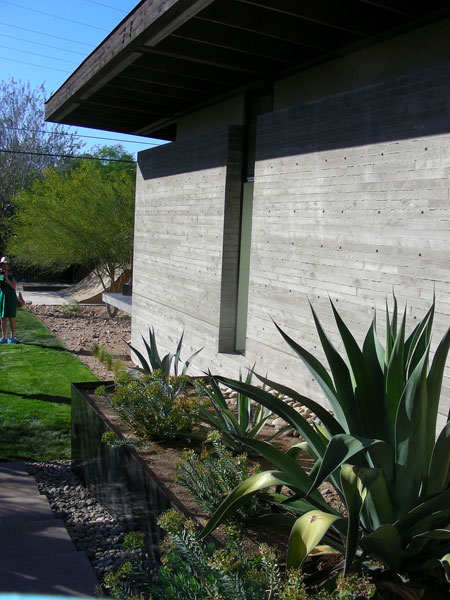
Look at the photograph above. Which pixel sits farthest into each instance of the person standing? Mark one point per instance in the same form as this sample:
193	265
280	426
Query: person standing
8	300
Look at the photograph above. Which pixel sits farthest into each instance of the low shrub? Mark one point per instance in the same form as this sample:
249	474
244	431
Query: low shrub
132	580
211	475
195	570
155	406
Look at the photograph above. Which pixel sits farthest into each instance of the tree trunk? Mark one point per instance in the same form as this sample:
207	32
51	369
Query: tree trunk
110	310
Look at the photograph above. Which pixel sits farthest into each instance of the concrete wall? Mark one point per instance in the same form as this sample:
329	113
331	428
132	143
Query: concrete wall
186	241
228	112
412	52
351	201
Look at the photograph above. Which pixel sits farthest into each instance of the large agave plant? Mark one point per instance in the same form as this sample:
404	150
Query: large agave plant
378	449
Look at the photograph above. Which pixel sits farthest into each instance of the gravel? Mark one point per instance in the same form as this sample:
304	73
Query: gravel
92	528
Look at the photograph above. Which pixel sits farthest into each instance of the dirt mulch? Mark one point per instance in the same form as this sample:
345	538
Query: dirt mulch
80	330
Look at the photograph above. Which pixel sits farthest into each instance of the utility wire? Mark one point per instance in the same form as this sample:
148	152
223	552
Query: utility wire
13	37
66	156
107	6
22	62
40	12
95	137
58	37
40	55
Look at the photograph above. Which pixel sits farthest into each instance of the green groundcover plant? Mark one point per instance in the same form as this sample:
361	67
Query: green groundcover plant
378	449
210	475
194	570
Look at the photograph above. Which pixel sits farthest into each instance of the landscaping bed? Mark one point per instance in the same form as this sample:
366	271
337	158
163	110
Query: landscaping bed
399	535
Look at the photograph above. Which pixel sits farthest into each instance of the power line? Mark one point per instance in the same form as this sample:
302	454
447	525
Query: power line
22	62
57	37
4	150
107	6
13	37
94	137
40	55
40	12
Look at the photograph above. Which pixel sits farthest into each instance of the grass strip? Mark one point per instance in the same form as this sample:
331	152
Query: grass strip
35	379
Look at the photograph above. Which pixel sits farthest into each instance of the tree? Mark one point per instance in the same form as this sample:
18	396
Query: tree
83	216
28	145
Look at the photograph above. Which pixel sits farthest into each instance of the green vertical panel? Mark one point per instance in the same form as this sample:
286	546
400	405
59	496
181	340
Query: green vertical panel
244	266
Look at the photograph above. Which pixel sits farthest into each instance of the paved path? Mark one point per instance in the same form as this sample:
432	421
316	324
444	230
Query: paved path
37	555
48	298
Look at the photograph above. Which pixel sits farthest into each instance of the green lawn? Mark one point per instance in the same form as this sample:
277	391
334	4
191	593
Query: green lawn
35	378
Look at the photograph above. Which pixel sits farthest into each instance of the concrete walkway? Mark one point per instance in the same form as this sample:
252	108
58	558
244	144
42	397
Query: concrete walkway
48	297
37	555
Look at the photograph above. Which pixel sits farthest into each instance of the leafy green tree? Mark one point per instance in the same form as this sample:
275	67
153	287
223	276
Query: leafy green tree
83	215
28	145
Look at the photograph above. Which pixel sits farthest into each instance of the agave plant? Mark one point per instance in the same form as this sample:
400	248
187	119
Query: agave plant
155	362
378	449
234	427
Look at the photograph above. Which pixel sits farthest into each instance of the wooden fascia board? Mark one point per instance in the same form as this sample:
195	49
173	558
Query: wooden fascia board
151	20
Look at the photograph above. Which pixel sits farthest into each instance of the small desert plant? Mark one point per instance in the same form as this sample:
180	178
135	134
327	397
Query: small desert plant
72	306
111	361
132	579
155	362
192	570
198	571
156	407
211	475
237	426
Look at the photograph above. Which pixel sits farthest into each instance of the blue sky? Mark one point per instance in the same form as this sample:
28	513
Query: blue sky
44	41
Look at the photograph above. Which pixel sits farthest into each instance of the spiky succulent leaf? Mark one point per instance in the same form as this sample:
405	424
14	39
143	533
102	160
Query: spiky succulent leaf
187	362
421	517
289	466
384	543
321	376
367	409
282	409
355	483
145	366
342	381
242	493
445	561
410	442
321	413
434	385
395	377
439	476
306	534
339	450
177	354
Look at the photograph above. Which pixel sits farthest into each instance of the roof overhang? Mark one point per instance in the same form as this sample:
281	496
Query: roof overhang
168	58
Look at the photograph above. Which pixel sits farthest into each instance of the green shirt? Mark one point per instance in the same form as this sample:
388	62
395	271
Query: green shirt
8	300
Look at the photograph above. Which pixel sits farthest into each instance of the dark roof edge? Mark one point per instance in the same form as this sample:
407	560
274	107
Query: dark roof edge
150	19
